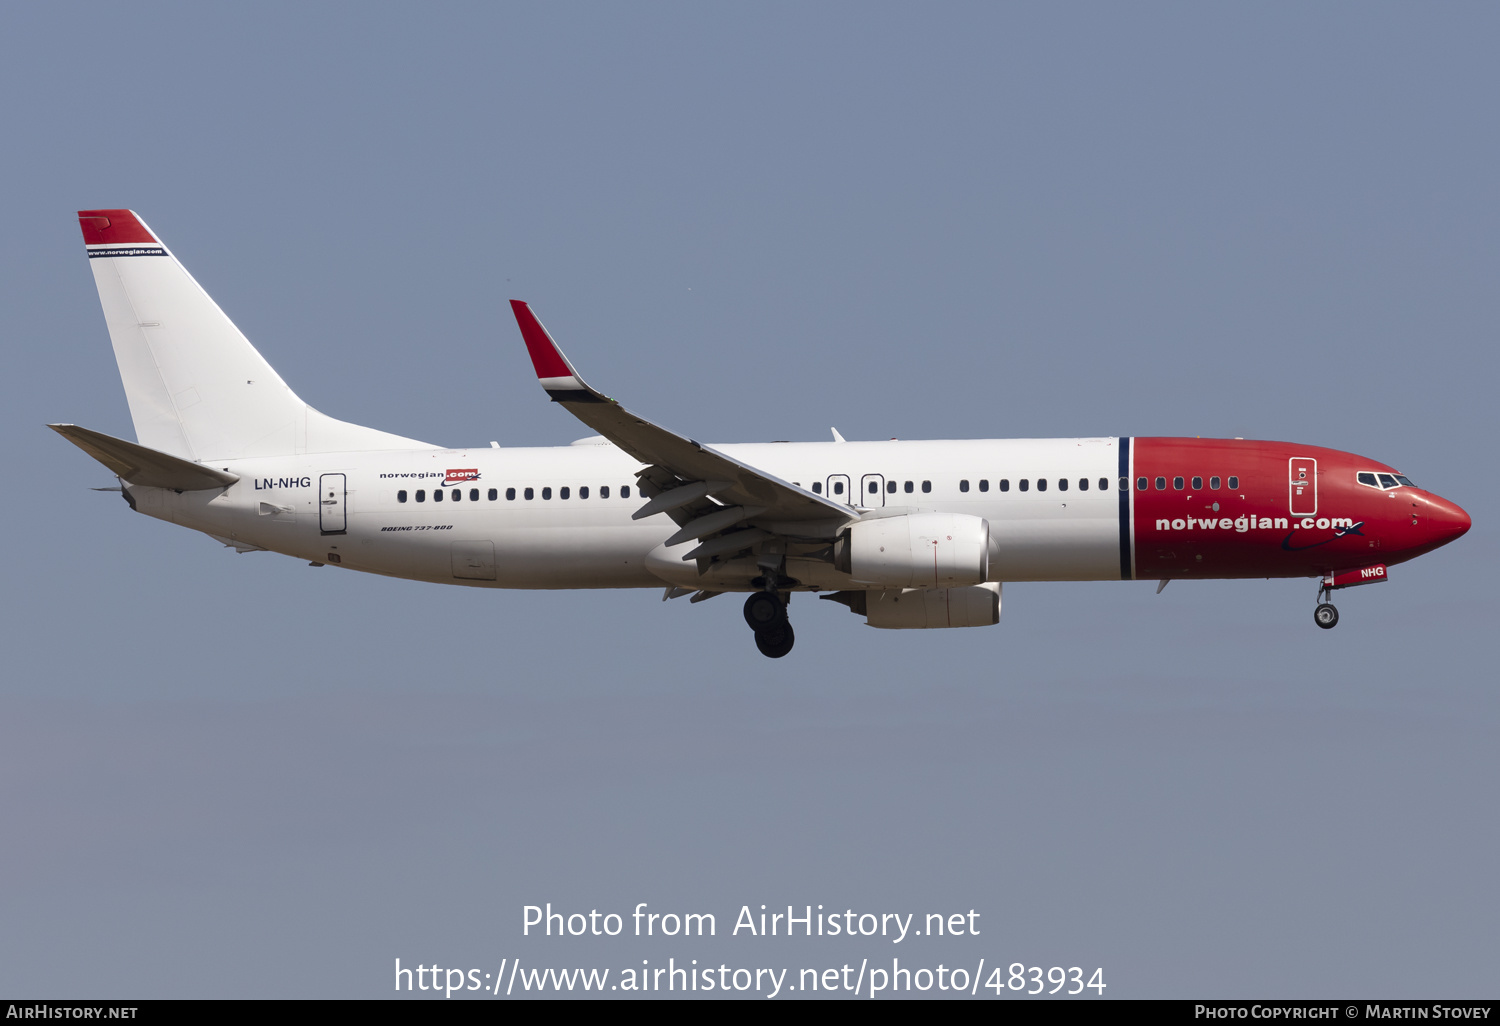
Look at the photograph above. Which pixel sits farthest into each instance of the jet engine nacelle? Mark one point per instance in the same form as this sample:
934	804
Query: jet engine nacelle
918	608
916	550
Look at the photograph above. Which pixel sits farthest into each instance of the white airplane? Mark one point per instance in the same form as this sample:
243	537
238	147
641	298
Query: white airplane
906	534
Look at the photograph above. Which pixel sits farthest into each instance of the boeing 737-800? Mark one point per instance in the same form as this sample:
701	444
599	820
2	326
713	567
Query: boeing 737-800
907	534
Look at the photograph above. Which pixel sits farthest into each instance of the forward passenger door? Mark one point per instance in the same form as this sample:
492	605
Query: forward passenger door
1303	486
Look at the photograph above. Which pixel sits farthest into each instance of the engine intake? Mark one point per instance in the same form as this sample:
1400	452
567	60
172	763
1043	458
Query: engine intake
916	550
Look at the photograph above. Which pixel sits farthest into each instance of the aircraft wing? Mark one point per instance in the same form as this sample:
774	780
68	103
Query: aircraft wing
703	490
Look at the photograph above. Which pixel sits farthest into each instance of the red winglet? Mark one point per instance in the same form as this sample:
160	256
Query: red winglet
545	356
112	227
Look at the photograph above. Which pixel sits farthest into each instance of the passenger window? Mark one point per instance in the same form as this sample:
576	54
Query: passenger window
1365	478
1177	483
909	487
984	485
817	487
838	488
459	494
604	491
562	493
1005	484
530	494
926	486
421	495
1234	483
510	495
890	486
1124	483
1041	484
1387	481
874	487
1140	484
401	495
1025	485
546	493
1083	484
1062	484
963	485
583	492
1213	483
1161	484
494	494
437	495
1197	484
624	491
473	494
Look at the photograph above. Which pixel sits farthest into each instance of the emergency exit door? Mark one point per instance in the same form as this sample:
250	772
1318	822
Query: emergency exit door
872	491
1303	486
331	503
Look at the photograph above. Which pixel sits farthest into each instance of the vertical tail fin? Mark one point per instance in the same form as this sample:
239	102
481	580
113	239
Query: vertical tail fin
196	386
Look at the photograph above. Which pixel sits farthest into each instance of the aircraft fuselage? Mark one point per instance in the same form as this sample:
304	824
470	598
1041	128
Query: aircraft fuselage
1072	509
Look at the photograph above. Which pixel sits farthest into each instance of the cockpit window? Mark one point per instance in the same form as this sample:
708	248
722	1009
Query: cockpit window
1375	479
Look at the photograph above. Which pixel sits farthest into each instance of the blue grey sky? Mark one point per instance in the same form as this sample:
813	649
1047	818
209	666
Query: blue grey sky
227	775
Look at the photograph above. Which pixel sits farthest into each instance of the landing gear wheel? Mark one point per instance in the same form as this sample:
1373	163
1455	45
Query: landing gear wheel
775	642
763	610
1325	616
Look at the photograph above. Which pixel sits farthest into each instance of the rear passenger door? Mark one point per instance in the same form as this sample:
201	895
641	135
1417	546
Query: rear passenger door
331	504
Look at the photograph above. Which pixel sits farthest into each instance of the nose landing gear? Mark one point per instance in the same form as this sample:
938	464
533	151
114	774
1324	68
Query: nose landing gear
1326	615
766	615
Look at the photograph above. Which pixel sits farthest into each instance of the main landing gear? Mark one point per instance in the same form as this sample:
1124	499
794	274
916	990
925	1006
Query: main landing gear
766	615
1326	615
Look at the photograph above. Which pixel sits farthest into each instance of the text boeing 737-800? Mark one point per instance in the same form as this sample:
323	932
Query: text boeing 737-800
906	534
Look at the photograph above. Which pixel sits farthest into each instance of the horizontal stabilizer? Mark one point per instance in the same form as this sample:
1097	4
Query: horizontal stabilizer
142	466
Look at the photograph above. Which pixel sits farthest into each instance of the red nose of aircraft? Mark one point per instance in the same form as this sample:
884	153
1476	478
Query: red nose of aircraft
1450	519
1438	521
